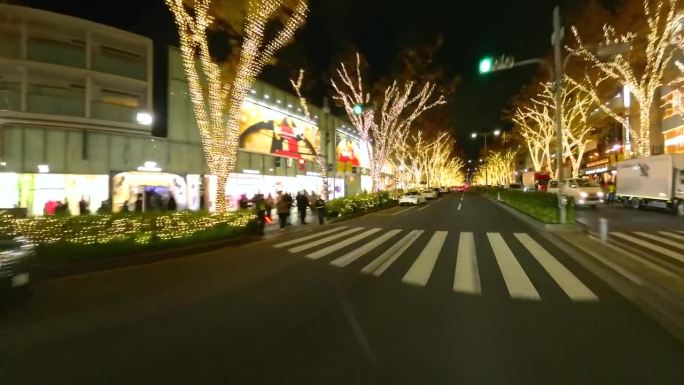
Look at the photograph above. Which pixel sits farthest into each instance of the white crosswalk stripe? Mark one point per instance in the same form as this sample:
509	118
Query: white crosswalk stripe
467	276
384	261
324	240
363	250
672	235
649	245
517	282
304	239
572	286
420	271
340	245
665	241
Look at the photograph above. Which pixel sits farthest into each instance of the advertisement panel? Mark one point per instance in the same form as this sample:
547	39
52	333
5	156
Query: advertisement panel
270	131
350	152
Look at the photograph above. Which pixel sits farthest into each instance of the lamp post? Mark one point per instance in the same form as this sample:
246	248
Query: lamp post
475	135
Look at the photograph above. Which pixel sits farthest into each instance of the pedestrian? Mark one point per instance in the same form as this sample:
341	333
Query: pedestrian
283	209
243	202
321	210
302	204
269	202
612	188
171	204
290	203
260	208
139	203
82	207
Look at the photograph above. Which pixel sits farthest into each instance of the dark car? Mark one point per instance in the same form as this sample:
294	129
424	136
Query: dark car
15	263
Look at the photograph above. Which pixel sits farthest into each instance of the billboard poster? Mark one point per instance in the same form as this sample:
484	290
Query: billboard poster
269	131
350	152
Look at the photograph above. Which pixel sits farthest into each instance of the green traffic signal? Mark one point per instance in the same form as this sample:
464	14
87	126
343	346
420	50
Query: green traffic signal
358	109
486	65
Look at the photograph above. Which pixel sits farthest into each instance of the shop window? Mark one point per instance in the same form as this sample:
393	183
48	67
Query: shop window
681	177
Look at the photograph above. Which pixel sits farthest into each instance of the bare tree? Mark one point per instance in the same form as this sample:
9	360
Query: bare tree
217	100
642	76
399	109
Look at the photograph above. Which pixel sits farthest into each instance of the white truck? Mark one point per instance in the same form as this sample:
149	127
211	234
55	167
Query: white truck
656	181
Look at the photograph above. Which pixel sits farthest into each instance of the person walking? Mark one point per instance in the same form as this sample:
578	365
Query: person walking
269	202
612	188
283	209
302	204
320	209
260	208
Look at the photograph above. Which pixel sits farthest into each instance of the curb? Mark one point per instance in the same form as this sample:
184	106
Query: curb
139	258
359	215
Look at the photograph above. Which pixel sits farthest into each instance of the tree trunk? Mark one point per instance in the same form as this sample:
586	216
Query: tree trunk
221	182
643	136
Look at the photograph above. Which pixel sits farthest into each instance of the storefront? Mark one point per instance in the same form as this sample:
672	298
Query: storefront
40	193
602	170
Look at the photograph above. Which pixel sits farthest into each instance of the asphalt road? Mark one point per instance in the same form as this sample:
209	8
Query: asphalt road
622	218
454	292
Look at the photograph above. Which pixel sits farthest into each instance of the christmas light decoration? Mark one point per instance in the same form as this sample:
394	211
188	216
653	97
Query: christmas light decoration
499	169
644	80
536	123
320	159
399	109
218	102
104	229
429	161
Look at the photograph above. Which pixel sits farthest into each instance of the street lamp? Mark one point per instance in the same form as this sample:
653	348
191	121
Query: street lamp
474	135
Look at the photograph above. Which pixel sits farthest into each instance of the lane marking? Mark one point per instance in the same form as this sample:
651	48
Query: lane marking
303	239
567	281
677	245
384	261
363	250
672	235
424	207
459	206
402	211
324	240
337	246
649	245
517	282
467	275
614	266
420	271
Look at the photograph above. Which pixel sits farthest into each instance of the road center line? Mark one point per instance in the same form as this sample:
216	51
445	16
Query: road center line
424	207
402	211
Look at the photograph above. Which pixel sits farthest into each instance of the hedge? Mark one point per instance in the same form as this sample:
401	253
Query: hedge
361	203
540	205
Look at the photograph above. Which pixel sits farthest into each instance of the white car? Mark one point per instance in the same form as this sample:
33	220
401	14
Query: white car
444	190
412	198
583	192
429	194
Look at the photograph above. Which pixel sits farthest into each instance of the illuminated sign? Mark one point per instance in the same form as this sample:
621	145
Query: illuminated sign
598	162
268	130
350	152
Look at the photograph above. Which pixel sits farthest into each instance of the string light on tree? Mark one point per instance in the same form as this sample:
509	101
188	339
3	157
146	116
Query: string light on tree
399	109
217	102
613	61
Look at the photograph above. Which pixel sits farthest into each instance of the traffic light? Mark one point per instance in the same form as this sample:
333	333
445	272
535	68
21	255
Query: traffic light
486	65
358	109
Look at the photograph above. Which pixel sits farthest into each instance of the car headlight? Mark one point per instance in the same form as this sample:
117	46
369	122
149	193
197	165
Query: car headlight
583	194
600	194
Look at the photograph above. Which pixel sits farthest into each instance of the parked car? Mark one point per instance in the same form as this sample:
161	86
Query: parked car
516	186
444	190
15	263
429	194
411	198
582	192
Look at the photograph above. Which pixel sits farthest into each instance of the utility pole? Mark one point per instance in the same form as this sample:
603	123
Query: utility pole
558	66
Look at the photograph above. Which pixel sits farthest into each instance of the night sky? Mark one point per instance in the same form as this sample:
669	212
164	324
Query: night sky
379	29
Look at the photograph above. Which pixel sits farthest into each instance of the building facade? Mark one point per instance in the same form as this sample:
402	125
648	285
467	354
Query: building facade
76	115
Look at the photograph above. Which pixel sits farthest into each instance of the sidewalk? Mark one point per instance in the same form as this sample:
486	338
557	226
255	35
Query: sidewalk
655	286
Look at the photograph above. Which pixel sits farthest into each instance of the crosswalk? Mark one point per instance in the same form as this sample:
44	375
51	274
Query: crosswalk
664	247
373	251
